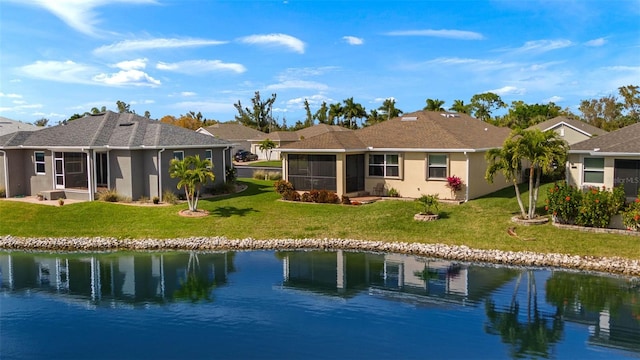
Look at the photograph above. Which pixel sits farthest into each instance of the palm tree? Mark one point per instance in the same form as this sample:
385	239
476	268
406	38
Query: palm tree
434	105
542	151
192	172
460	107
388	109
335	113
352	110
267	145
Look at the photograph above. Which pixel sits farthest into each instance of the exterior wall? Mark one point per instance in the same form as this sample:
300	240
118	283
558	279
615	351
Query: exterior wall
570	135
218	167
575	168
150	175
120	161
479	186
33	183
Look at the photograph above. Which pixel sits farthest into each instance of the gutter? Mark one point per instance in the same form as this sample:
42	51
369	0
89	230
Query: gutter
6	173
466	191
160	173
224	164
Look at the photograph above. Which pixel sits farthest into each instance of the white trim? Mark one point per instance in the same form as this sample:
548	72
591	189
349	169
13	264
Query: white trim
178	151
598	153
43	162
6	173
446	167
570	126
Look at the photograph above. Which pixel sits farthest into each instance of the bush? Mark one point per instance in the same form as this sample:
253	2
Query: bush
275	175
393	192
306	197
345	200
631	215
231	174
3	192
327	197
454	183
109	195
428	203
156	200
291	195
169	197
597	208
260	175
563	202
283	186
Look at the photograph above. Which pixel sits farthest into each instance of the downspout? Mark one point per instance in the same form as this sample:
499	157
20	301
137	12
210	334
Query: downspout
6	173
89	177
160	173
224	164
466	192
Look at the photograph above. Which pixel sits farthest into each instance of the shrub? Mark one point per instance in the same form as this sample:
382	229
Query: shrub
314	195
275	175
109	195
631	215
260	175
393	192
454	184
3	192
597	208
155	200
231	174
306	197
327	197
563	202
283	186
429	203
345	200
169	197
291	195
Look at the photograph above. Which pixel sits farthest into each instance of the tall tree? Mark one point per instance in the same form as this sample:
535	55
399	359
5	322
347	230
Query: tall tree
42	122
308	121
259	116
521	115
602	113
123	107
267	145
460	107
352	111
388	109
483	104
374	118
631	104
322	114
434	105
335	114
193	172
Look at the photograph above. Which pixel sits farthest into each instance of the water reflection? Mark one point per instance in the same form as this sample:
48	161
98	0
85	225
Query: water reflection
529	310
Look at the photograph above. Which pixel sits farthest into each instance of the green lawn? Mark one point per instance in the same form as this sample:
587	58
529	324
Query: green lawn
257	213
272	163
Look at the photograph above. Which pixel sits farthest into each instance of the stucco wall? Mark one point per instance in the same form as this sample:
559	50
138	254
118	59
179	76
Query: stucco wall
35	182
570	135
477	169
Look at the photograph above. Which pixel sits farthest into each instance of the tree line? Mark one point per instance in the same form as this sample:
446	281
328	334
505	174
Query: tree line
609	112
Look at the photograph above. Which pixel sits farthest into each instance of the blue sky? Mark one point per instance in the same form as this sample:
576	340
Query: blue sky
170	57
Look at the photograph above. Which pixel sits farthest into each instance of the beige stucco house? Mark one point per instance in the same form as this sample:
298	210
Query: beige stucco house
607	160
125	152
233	132
571	130
281	138
413	154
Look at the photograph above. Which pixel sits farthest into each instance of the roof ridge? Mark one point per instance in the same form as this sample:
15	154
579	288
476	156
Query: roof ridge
99	130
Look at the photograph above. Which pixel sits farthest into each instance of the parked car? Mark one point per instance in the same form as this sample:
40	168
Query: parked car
244	155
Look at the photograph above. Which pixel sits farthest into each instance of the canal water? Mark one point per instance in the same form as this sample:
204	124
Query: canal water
307	304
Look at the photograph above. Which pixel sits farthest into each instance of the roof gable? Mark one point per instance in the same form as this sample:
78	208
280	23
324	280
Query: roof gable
624	140
232	131
577	125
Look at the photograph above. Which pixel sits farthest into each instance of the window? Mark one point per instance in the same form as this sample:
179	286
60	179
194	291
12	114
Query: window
437	167
39	162
593	170
384	165
208	154
178	155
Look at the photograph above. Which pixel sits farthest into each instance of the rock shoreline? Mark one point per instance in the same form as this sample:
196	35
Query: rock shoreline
613	265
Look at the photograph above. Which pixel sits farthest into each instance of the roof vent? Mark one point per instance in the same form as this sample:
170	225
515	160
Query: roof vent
450	115
125	124
409	118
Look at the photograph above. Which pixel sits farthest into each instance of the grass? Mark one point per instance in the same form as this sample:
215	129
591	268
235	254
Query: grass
272	163
257	213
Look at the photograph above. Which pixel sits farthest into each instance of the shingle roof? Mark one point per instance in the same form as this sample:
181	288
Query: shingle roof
624	140
233	131
8	126
319	129
579	125
112	130
277	136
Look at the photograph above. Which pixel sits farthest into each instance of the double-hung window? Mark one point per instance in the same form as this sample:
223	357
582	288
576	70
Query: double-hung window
39	162
208	154
178	155
438	165
593	172
384	165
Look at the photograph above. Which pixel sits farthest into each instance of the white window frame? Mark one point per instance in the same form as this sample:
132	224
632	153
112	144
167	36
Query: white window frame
208	154
385	165
178	157
444	166
37	162
586	169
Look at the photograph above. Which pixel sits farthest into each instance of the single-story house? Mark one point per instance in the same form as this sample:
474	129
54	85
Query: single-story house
607	160
571	130
123	152
281	138
8	126
413	154
233	132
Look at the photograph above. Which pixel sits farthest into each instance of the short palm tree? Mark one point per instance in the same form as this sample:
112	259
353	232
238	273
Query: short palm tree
193	172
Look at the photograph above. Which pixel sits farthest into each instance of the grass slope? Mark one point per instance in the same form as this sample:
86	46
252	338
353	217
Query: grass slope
257	213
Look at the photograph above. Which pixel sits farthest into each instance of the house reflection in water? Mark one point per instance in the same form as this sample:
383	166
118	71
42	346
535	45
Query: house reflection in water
406	278
139	278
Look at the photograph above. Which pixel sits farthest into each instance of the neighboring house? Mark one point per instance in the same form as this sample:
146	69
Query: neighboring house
414	154
236	133
124	152
8	126
571	130
607	160
281	138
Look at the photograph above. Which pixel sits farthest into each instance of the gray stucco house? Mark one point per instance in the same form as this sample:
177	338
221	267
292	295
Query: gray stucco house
125	152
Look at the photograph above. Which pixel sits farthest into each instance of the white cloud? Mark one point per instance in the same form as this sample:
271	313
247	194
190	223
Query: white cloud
314	101
200	66
78	14
60	71
543	45
127	77
449	34
352	40
463	61
135	45
132	64
288	41
596	42
298	84
11	96
205	106
188	93
508	90
553	99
